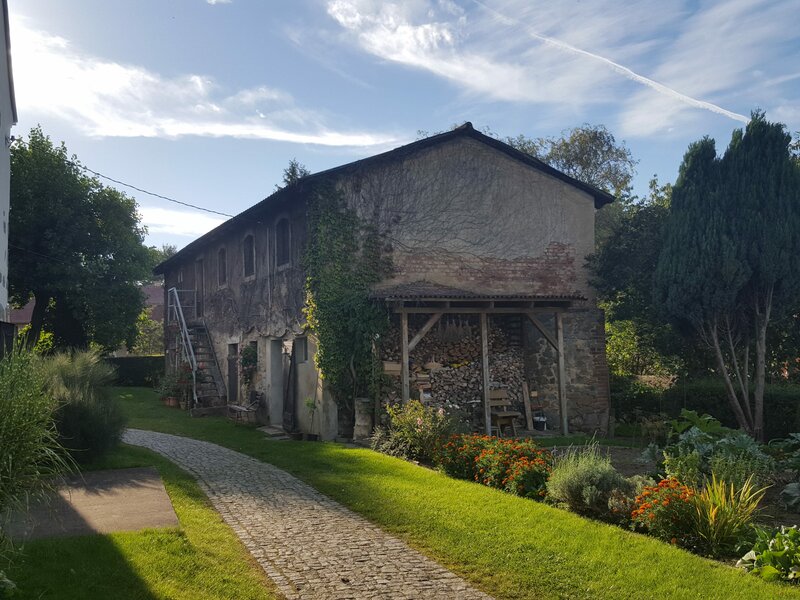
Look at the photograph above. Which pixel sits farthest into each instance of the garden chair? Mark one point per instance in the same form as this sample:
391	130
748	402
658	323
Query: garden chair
246	412
499	403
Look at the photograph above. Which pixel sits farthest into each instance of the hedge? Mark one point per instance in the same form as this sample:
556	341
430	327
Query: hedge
781	402
140	371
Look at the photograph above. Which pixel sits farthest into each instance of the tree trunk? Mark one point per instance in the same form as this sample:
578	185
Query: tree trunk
41	302
736	404
762	322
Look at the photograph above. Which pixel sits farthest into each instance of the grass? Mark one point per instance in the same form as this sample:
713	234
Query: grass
507	546
203	560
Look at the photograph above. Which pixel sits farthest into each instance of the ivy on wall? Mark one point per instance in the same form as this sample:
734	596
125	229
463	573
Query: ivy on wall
343	259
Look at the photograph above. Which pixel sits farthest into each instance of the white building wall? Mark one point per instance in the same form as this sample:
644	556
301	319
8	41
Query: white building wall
7	120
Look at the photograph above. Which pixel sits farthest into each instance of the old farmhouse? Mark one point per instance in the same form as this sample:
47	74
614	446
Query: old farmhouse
488	294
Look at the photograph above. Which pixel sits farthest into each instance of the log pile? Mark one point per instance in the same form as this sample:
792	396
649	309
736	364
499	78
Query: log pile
446	365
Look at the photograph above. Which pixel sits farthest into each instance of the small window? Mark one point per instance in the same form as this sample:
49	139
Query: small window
222	266
249	252
282	242
180	275
301	349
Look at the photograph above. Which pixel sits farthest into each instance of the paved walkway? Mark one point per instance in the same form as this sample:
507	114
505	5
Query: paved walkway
309	545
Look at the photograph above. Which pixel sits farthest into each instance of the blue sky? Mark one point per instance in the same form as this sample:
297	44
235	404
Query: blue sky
206	101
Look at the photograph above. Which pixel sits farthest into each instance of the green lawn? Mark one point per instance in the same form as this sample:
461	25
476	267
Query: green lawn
508	546
201	560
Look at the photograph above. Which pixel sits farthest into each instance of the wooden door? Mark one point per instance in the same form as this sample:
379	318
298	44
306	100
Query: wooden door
290	393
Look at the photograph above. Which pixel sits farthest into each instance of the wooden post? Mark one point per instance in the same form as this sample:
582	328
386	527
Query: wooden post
404	358
487	408
562	375
526	402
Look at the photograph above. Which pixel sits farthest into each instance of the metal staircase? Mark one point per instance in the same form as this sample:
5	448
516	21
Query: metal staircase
189	343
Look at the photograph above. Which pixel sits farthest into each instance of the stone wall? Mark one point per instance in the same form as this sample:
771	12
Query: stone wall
587	384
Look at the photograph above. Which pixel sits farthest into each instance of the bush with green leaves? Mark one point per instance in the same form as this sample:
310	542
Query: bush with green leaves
414	431
700	445
88	418
584	480
775	555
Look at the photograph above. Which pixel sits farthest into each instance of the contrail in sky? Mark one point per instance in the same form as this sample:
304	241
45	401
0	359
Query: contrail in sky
623	70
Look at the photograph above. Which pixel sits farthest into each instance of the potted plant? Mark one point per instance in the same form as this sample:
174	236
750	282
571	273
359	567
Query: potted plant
311	406
184	385
168	389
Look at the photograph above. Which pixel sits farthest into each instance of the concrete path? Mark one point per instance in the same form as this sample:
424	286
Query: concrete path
309	545
98	502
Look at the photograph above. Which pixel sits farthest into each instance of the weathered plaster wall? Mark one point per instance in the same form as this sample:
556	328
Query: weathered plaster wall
465	215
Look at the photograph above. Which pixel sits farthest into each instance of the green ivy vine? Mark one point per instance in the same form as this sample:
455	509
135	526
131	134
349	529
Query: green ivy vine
343	259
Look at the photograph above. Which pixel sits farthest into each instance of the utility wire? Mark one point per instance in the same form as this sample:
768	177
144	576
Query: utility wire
138	189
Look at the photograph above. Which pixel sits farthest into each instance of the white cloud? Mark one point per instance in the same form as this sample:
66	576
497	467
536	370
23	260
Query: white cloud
105	98
219	1
659	65
177	222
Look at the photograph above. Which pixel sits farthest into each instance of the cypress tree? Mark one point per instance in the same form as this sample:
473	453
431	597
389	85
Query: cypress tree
731	259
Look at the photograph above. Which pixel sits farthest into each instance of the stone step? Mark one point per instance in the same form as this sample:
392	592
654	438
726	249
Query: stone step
273	432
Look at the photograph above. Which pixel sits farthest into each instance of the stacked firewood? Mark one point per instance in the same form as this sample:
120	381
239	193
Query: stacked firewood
446	367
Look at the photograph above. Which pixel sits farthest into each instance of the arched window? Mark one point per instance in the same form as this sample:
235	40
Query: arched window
283	242
249	256
222	266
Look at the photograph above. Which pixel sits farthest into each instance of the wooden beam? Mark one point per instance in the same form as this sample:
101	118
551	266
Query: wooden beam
562	375
538	324
404	359
487	408
476	310
425	329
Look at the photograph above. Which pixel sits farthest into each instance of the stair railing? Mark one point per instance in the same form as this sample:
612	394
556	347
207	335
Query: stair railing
176	310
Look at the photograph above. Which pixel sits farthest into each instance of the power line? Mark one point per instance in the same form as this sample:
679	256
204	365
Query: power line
138	189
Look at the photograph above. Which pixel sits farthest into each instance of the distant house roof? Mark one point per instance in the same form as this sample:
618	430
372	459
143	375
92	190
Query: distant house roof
419	290
601	198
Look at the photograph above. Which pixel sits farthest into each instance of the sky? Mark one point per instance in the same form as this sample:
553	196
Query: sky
207	101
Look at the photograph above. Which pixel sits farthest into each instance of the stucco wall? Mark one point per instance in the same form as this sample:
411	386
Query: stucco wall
463	214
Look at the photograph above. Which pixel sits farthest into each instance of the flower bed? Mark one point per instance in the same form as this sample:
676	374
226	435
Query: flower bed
513	465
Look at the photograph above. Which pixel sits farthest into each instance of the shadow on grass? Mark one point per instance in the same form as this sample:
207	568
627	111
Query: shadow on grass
84	567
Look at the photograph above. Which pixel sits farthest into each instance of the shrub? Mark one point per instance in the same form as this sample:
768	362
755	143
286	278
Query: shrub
88	418
28	437
666	511
775	555
518	466
584	480
140	371
701	444
723	515
414	431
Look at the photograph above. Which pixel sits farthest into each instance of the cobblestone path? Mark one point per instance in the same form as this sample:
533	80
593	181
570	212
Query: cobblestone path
309	545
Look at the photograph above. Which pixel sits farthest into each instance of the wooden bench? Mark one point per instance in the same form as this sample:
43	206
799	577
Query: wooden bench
501	416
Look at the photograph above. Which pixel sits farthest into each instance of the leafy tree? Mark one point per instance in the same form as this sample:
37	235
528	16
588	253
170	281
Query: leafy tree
149	335
588	153
76	249
731	257
294	172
